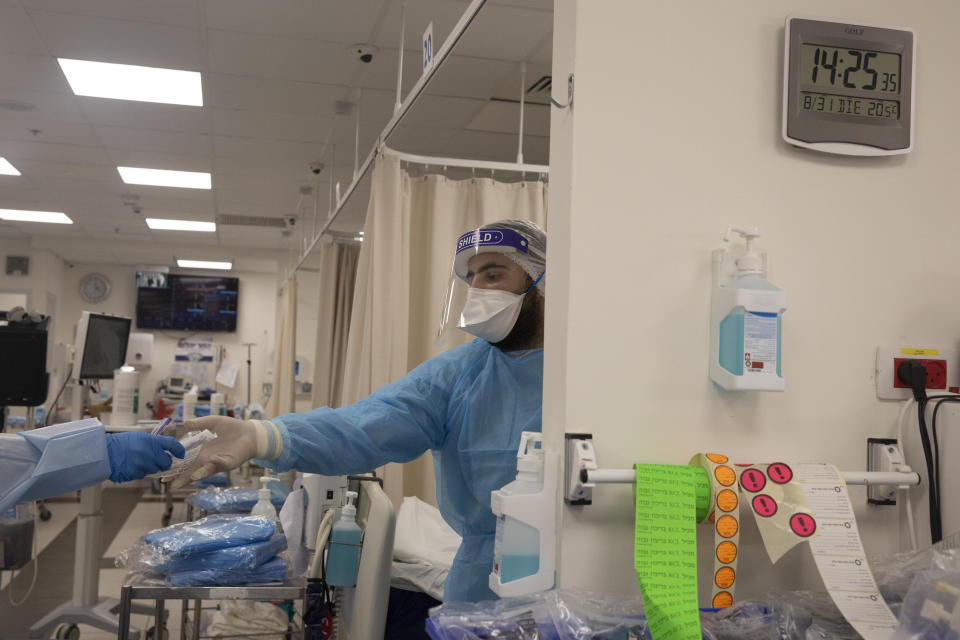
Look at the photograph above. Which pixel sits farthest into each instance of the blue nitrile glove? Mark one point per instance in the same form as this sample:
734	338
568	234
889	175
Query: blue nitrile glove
134	455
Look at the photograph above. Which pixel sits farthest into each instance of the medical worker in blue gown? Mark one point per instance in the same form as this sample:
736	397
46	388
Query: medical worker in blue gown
467	405
54	460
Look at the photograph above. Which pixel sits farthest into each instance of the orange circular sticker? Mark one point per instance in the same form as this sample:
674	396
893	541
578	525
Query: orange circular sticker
724	577
719	458
725	475
727	500
713	516
722	600
727	526
726	552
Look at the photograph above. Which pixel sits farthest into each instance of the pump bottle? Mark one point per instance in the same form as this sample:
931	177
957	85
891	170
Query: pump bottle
524	548
746	320
345	540
264	506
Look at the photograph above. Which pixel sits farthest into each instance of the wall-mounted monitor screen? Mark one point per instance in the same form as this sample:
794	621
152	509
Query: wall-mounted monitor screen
190	303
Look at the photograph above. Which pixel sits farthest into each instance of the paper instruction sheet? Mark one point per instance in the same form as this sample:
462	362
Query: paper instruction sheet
839	553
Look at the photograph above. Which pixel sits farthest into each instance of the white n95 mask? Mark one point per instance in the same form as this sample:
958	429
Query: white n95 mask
490	313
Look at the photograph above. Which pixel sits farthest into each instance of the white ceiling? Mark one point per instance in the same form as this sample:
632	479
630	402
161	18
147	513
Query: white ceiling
272	72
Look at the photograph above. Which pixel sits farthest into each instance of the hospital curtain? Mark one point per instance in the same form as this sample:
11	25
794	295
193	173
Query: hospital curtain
404	267
284	352
338	270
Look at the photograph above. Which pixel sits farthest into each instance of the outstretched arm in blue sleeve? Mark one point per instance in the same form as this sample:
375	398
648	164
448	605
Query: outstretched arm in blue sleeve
54	460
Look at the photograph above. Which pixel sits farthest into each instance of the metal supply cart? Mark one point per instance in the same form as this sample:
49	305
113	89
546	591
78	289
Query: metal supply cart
290	589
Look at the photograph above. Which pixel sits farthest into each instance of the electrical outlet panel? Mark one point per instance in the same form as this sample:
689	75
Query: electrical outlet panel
943	370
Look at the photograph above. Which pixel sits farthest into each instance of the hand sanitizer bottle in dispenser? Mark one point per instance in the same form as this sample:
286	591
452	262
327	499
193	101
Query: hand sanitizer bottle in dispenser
524	558
745	320
345	540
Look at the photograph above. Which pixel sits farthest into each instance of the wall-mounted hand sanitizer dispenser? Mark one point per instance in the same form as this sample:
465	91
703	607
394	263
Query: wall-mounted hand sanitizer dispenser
745	320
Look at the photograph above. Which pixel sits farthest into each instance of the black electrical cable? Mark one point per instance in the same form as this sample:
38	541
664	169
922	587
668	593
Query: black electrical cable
53	406
932	490
914	374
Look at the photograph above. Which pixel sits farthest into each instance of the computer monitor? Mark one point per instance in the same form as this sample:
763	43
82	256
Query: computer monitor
23	375
101	345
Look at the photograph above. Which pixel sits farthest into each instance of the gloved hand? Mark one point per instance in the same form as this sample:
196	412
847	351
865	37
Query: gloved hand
237	441
134	455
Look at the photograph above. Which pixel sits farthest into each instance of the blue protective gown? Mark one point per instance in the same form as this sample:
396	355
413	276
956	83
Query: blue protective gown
51	461
469	406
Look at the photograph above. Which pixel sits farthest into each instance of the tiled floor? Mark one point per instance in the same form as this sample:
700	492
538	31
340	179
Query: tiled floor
127	516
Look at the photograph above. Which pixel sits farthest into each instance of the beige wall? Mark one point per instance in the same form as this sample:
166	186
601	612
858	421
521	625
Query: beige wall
675	135
51	282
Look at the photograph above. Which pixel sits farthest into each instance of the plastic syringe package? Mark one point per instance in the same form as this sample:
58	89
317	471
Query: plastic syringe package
191	443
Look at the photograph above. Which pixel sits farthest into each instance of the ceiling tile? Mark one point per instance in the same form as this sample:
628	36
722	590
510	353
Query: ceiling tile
31	150
256	124
499	147
56	131
343	22
443	111
268	150
543	5
444	15
160	160
504	117
121	41
157	141
31	73
85	171
161	206
55	106
506	33
271	95
17	33
176	12
273	57
144	115
467	77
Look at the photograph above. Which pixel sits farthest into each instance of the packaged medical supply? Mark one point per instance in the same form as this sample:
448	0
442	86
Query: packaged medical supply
271	571
216	480
345	541
147	558
212	532
523	550
235	499
192	442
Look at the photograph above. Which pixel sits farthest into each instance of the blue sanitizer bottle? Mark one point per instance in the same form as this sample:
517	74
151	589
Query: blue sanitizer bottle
745	323
345	540
524	547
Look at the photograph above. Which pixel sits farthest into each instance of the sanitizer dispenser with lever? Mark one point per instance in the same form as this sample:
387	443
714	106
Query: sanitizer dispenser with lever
745	320
524	558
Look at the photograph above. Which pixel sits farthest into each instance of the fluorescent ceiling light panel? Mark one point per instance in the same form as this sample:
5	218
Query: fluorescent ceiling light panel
164	224
165	177
18	215
7	169
130	82
203	264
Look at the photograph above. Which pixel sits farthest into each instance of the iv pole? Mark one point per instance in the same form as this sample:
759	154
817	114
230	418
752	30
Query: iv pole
249	346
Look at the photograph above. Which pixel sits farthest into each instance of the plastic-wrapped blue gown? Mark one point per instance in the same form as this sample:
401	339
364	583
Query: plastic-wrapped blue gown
469	406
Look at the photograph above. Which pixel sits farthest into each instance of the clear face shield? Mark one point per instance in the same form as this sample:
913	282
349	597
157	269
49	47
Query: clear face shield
496	303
